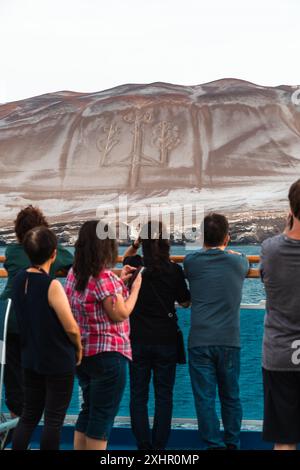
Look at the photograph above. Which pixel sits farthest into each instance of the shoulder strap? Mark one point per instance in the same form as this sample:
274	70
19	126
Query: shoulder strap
41	270
170	315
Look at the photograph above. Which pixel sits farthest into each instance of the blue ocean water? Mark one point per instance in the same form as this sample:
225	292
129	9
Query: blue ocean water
251	340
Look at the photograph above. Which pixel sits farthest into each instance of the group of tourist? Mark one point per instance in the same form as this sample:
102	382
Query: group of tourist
100	321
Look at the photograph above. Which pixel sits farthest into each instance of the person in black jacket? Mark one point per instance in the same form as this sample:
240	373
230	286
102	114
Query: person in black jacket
153	336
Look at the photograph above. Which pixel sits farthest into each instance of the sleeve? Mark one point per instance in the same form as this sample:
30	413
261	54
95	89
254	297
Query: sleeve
108	285
245	264
11	272
69	285
185	265
135	261
64	260
262	261
182	291
6	262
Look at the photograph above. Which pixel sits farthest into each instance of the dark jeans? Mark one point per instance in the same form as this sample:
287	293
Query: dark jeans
13	375
161	360
48	394
102	378
212	366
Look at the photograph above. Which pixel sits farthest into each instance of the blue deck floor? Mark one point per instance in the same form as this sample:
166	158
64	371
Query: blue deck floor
181	439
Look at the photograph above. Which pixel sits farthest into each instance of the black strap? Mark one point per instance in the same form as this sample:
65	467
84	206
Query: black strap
171	315
40	269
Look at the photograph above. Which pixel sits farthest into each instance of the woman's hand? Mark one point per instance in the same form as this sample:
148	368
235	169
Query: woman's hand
127	272
119	309
137	283
78	356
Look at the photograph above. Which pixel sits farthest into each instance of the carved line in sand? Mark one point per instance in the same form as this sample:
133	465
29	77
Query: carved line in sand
165	137
112	132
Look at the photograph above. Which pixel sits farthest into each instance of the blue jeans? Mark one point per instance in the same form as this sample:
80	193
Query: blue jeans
102	379
161	360
212	366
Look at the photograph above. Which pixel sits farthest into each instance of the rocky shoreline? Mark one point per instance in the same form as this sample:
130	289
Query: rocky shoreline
254	228
245	229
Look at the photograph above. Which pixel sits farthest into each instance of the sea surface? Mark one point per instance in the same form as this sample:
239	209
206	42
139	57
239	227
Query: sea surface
251	340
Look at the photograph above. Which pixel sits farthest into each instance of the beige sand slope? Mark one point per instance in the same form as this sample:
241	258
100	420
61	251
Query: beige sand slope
231	144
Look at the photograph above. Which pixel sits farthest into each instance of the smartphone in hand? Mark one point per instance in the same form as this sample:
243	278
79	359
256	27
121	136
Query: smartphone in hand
138	270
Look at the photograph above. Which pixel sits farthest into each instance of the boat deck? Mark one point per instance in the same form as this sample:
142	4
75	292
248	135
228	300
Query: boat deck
180	439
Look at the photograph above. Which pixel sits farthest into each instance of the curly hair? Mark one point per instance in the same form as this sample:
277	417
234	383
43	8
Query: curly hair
27	219
92	254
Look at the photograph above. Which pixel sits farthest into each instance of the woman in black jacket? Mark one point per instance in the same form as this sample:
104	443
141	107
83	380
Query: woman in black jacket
154	335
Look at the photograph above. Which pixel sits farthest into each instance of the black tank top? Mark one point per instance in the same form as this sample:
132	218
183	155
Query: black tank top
45	347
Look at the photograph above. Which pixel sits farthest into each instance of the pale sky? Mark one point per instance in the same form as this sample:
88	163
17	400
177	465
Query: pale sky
92	45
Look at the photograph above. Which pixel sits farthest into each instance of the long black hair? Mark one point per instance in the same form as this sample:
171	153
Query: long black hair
155	245
92	254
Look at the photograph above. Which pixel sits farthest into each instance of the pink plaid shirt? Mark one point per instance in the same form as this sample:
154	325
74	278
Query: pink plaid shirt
99	332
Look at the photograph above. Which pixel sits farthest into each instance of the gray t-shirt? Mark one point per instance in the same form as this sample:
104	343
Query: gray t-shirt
216	280
280	269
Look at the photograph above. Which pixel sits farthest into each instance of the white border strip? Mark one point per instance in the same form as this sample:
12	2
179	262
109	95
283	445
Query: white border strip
260	306
177	423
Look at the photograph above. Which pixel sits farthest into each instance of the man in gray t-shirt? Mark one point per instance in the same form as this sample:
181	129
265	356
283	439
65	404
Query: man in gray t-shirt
216	277
280	271
280	268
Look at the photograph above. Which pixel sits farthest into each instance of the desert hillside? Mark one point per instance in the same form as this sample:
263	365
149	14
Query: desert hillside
233	145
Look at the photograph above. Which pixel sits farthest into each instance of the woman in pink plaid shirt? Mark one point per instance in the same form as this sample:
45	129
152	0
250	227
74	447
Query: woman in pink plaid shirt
101	304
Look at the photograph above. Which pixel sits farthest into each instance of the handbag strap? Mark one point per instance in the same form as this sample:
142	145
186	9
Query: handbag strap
170	315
